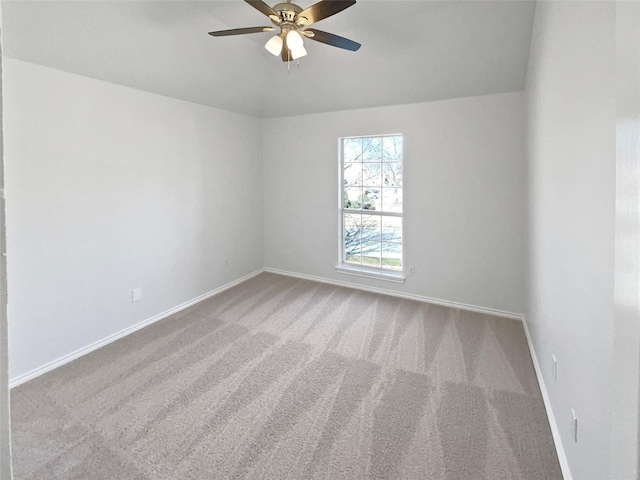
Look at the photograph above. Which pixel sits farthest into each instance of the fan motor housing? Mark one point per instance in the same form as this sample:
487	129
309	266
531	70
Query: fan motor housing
288	11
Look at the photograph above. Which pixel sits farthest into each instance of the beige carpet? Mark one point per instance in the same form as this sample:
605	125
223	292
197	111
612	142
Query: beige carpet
280	378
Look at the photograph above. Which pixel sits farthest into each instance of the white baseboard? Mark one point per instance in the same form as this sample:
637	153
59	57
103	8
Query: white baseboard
122	333
562	457
410	296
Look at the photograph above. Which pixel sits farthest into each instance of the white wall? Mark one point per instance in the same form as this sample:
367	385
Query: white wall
464	196
571	181
5	431
626	343
111	189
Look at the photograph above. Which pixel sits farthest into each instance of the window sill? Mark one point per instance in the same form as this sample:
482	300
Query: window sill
390	276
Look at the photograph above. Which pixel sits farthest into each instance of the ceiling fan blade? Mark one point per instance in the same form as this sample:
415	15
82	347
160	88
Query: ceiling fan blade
333	40
263	7
240	31
322	10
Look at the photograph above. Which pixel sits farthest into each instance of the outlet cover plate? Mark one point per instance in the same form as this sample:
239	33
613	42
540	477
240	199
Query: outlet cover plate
136	295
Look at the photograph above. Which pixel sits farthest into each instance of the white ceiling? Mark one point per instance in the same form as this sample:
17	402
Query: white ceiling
412	51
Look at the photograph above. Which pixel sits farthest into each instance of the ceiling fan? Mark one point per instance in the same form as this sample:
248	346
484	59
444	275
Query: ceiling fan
292	22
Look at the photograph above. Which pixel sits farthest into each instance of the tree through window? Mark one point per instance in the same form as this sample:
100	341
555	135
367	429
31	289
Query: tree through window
371	202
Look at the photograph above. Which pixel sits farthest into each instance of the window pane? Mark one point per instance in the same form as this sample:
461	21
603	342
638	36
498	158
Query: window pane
392	255
392	229
392	148
392	174
353	258
371	226
372	149
370	253
352	222
372	174
352	149
392	200
352	237
353	197
371	199
352	174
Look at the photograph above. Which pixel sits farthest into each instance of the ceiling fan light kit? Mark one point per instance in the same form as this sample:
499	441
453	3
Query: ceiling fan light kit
274	45
294	40
298	52
291	19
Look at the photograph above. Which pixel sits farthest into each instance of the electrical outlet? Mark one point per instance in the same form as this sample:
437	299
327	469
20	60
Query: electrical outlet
136	295
555	368
412	271
574	425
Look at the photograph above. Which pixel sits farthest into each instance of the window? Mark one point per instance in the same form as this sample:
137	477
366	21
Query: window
371	206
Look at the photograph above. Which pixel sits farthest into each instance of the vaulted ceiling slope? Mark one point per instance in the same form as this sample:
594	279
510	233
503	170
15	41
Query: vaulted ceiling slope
412	51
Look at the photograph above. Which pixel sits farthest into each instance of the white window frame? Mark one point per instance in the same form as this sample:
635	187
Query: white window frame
382	273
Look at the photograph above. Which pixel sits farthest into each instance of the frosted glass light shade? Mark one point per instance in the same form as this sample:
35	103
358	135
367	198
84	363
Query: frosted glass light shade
294	40
274	45
298	52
